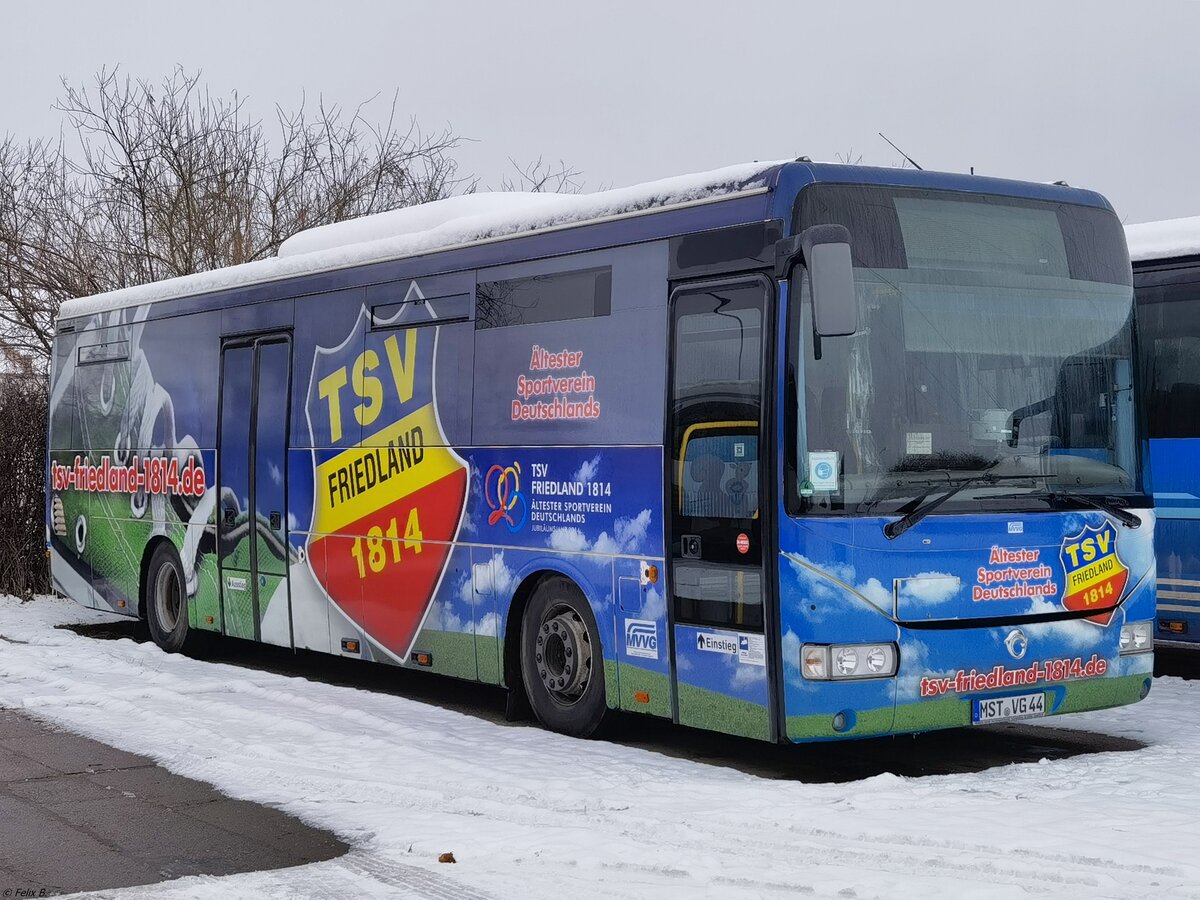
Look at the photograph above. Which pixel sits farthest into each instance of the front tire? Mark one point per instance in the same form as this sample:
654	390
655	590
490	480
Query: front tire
562	661
166	600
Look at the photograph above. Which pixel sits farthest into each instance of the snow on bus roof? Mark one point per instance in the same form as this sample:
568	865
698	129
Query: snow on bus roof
1164	240
439	225
415	219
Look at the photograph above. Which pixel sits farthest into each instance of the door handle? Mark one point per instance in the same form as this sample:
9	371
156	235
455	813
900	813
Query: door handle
230	515
276	520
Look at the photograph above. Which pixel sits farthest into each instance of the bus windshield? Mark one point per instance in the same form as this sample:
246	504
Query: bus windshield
994	339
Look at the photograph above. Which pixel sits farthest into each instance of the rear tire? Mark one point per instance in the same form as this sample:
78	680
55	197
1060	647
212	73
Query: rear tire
562	662
165	601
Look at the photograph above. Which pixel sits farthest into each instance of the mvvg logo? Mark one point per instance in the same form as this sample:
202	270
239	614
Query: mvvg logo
641	638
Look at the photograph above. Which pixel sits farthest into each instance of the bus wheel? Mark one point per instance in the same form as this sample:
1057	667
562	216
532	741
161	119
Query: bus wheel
561	659
166	599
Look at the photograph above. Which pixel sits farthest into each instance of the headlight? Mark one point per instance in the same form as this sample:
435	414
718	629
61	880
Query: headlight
849	661
1137	637
877	659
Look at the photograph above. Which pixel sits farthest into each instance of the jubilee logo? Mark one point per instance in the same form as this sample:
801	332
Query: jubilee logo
1095	575
506	502
389	493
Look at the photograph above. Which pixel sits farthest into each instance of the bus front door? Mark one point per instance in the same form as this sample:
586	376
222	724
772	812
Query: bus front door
252	471
717	452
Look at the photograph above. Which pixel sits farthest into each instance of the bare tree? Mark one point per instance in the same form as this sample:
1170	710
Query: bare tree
153	181
542	177
187	181
23	568
40	248
168	179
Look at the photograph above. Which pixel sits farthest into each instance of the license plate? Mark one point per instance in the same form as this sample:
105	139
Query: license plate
1000	709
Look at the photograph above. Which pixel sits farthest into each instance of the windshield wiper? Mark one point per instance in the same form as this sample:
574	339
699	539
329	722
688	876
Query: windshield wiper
1109	505
893	530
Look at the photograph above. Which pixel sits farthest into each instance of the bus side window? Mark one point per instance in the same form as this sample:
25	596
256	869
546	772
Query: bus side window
1175	401
1169	321
579	294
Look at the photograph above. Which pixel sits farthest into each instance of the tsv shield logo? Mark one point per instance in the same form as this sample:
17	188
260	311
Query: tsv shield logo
389	493
1096	577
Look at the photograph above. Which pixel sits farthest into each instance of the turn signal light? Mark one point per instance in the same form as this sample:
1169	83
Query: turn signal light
120	604
652	574
423	659
350	646
641	696
814	662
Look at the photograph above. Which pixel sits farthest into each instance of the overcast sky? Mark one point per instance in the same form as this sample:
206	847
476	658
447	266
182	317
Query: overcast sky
1100	94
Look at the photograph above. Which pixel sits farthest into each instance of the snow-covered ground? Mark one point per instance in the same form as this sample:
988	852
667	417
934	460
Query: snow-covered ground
532	814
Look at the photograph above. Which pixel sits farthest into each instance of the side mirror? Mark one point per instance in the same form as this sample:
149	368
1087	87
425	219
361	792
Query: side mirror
1017	416
831	279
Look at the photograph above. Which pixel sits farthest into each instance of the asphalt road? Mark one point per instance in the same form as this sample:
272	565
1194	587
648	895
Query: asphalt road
77	815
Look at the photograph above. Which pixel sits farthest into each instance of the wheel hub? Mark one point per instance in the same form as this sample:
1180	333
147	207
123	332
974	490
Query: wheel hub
564	654
167	597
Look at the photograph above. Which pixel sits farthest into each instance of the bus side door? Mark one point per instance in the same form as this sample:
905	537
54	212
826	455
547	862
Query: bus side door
717	455
252	505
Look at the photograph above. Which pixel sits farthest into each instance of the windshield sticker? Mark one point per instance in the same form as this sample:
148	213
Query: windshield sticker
823	469
918	443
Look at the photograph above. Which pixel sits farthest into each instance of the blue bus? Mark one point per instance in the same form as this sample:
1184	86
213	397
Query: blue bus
792	451
1166	278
